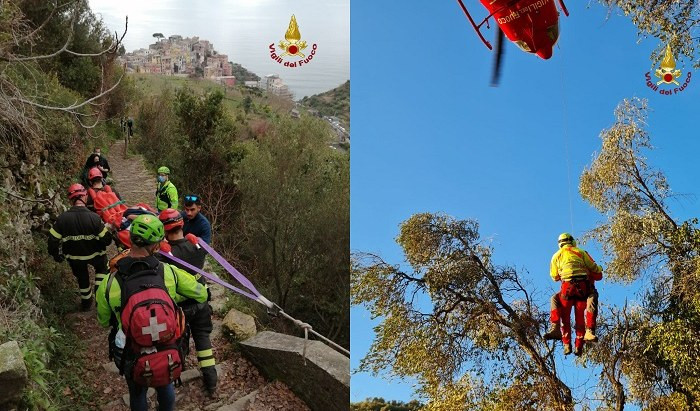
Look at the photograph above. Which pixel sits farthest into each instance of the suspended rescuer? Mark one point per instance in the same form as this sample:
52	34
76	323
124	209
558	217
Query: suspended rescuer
195	222
166	193
578	273
80	237
139	298
197	314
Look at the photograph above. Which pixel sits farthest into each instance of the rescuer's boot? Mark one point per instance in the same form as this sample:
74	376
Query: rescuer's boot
590	336
578	347
210	378
567	349
85	305
554	332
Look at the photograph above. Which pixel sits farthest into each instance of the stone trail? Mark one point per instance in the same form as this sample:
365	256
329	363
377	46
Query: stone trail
241	386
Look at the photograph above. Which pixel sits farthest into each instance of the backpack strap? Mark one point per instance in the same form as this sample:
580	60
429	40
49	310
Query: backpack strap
570	250
109	286
170	268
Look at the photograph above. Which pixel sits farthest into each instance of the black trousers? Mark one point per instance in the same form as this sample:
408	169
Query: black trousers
198	318
80	271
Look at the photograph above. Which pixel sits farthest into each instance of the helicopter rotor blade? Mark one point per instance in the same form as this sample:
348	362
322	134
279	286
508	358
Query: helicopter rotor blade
496	74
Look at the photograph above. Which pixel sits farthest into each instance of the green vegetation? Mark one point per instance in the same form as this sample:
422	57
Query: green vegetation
673	22
379	404
242	74
334	102
47	129
32	311
478	345
276	195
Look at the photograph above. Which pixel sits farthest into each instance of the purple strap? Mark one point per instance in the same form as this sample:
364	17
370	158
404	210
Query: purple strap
210	277
238	276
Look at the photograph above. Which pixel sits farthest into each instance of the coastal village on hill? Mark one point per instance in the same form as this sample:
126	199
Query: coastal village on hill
196	57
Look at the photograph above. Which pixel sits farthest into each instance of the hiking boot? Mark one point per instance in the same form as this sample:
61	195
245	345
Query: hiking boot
211	392
210	379
85	305
590	336
567	349
578	350
554	332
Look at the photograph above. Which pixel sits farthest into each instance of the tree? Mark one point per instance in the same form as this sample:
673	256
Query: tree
199	116
641	239
379	404
295	218
468	330
247	104
77	48
158	36
621	184
673	22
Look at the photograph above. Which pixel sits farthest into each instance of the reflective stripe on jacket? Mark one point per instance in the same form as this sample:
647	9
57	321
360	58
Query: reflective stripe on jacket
572	262
79	234
181	285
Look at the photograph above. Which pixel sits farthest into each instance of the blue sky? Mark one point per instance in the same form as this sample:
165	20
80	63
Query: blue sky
429	134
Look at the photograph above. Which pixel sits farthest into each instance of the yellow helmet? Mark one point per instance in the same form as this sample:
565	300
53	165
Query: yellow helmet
566	238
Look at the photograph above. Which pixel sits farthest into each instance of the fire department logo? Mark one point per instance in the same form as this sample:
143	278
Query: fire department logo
292	46
668	75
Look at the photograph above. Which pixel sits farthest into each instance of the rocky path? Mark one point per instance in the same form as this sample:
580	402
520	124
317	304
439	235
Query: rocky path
241	386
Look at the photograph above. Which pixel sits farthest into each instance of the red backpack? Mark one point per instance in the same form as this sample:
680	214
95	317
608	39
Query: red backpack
153	325
107	205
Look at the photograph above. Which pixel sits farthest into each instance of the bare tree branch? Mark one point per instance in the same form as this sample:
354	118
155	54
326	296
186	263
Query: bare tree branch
72	107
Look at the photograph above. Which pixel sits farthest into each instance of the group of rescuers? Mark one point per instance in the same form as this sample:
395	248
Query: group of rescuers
80	236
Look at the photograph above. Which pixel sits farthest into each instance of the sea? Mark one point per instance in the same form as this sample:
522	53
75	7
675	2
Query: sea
244	30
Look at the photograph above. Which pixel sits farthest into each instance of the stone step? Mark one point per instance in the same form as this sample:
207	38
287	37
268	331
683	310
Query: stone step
149	394
111	367
186	376
241	404
216	330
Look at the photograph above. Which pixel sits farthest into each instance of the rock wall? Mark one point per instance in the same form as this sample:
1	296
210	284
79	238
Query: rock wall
323	382
13	374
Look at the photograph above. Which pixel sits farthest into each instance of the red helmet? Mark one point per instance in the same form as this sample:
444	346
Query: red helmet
76	190
171	219
94	173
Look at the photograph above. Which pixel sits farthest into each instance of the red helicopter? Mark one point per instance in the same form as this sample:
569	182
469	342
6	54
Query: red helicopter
533	25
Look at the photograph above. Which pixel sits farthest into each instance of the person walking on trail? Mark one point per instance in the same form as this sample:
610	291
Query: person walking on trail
166	193
96	159
145	344
578	273
130	126
197	315
80	237
195	222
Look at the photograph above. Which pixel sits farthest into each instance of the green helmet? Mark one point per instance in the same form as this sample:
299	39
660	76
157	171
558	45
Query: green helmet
566	238
145	230
163	170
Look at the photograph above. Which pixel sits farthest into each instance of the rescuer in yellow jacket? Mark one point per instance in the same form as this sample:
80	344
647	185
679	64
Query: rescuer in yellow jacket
146	232
166	193
577	271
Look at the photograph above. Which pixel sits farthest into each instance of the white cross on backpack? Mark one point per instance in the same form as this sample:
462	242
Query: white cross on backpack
154	329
